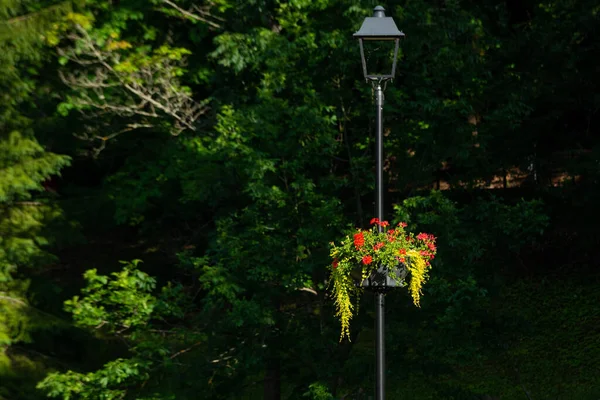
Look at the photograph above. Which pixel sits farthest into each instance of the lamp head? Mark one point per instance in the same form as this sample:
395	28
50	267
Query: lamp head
378	28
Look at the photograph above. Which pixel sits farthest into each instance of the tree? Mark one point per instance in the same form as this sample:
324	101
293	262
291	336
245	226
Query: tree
24	166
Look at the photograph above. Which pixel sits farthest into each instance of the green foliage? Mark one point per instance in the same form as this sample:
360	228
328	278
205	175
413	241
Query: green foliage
24	23
24	165
318	391
499	225
118	305
233	216
24	213
103	384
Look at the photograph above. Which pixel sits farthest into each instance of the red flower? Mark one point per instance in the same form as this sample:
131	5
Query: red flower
425	236
431	246
422	236
359	240
390	235
378	246
402	259
367	260
402	251
402	224
427	254
378	222
334	264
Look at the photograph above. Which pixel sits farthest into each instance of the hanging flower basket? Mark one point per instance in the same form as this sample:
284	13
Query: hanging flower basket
370	256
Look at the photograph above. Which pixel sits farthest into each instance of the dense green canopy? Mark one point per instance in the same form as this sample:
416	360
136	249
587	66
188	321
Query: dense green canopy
172	173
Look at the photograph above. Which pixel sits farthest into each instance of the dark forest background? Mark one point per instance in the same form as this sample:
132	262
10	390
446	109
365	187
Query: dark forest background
173	171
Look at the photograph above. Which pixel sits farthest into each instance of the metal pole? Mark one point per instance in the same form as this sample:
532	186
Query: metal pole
379	296
380	345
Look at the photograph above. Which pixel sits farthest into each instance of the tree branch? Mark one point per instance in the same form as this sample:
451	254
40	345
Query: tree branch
193	16
180	352
149	89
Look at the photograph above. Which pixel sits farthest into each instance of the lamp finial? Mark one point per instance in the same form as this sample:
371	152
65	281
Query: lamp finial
379	12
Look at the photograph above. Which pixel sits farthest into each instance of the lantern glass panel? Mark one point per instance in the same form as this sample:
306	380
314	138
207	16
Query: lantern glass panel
379	56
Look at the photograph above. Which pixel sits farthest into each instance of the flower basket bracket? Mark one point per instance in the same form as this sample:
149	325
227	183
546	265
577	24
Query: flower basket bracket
383	279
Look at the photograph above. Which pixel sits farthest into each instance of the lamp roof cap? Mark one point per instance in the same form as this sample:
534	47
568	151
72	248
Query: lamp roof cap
378	27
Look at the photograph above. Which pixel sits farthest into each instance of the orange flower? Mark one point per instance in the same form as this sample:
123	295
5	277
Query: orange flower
359	240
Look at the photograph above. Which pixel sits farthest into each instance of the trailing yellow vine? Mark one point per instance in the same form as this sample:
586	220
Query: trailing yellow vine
418	275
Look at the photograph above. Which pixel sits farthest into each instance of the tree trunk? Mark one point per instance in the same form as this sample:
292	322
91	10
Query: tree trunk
272	382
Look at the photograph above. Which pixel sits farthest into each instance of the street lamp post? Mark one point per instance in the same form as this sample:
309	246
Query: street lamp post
376	29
